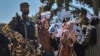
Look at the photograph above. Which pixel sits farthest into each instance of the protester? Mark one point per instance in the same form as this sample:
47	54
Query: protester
45	38
67	40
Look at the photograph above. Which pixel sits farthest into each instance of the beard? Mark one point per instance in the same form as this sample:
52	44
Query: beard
26	12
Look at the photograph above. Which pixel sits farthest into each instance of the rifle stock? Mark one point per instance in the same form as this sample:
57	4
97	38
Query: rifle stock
29	45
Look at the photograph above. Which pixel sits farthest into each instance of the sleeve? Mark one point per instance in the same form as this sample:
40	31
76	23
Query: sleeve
87	36
13	23
62	39
4	39
93	39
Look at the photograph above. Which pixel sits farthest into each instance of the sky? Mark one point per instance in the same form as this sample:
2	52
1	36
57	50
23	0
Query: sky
8	8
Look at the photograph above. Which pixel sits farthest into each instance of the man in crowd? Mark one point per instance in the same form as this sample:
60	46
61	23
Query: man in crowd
24	25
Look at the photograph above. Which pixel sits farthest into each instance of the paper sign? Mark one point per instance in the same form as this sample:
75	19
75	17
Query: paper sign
89	16
46	14
64	14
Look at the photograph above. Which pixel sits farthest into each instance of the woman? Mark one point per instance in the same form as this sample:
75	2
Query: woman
44	38
67	40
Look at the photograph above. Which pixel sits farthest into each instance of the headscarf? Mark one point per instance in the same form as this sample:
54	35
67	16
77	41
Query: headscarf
70	25
69	32
45	36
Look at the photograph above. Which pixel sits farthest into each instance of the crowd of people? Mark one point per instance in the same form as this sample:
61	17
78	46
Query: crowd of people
23	37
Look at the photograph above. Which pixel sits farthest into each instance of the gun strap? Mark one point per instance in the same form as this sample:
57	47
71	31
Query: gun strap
26	39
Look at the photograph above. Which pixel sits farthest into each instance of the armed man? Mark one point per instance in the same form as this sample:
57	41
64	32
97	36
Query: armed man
24	25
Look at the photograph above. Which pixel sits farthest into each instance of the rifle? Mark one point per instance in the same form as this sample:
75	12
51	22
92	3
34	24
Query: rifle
29	45
25	28
26	39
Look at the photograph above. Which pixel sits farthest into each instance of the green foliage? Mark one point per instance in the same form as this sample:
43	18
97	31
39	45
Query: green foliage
42	1
88	2
59	4
51	2
34	18
49	5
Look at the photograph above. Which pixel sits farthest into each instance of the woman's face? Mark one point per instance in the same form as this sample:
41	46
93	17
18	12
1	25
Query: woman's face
79	20
69	26
46	25
64	26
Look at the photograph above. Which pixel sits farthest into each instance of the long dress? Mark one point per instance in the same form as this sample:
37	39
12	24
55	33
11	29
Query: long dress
44	38
65	49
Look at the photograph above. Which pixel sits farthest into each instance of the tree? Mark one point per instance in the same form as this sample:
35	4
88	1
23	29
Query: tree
59	4
95	6
92	3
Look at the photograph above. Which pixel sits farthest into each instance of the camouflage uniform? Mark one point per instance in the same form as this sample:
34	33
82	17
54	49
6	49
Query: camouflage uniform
20	50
